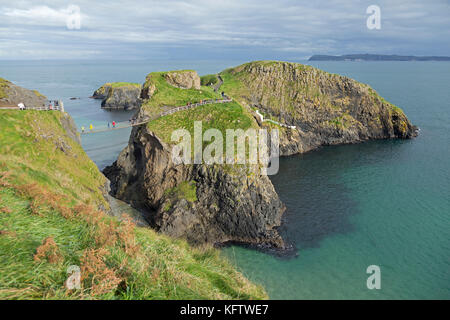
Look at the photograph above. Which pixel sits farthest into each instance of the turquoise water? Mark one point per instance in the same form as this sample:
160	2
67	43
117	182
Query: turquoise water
384	202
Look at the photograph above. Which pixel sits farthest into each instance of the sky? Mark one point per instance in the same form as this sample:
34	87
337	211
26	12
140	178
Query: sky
219	29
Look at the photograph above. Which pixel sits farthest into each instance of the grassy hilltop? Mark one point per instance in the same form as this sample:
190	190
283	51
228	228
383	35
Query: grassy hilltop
52	216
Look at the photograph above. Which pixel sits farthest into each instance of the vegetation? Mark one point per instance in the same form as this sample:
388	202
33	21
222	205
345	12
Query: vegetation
123	84
168	95
185	190
4	84
209	79
52	217
221	116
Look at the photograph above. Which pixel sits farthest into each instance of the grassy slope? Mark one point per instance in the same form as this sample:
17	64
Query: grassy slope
236	80
219	116
167	95
4	84
43	195
209	79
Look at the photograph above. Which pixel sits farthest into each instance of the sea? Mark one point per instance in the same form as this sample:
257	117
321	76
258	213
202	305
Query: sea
380	203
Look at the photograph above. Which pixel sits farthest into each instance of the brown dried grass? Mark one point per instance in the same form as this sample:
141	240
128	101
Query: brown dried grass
95	273
49	251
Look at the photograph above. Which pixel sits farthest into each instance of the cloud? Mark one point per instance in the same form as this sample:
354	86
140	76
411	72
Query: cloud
41	15
280	29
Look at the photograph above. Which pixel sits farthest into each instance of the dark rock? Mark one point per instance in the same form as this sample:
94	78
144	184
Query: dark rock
231	205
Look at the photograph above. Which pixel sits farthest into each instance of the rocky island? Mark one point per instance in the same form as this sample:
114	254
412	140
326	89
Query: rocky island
219	204
119	95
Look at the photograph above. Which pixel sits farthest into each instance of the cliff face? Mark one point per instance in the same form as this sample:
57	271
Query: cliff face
327	109
204	204
11	95
53	215
217	204
183	79
124	96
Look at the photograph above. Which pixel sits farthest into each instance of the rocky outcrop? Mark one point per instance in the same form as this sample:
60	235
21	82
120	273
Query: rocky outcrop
327	109
122	96
11	95
219	204
204	204
183	79
102	92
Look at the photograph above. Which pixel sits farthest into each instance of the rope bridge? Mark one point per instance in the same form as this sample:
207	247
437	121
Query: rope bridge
127	124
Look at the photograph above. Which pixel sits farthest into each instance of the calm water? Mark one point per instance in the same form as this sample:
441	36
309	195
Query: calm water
385	203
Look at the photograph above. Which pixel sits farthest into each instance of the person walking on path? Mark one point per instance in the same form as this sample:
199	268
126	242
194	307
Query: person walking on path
91	127
109	125
82	129
114	124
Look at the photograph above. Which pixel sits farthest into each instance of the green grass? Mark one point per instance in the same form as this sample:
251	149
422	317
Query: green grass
4	84
221	116
146	265
123	84
168	95
209	79
185	190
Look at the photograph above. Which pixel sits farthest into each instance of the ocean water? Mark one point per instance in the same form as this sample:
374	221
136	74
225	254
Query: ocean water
384	203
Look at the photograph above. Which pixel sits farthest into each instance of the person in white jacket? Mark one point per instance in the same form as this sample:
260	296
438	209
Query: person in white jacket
21	106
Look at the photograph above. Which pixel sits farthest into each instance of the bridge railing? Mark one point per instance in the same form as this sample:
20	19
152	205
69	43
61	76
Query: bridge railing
137	122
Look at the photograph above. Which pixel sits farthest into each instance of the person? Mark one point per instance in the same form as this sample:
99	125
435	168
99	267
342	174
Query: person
109	125
91	127
50	106
82	129
114	124
21	106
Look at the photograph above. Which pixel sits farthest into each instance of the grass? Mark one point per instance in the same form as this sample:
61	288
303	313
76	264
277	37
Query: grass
123	84
4	84
209	79
168	95
221	116
185	190
51	217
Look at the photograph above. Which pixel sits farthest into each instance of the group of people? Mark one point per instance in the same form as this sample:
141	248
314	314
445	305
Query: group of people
91	127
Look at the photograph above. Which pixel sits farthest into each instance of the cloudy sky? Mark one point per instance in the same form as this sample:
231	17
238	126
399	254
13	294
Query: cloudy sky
245	29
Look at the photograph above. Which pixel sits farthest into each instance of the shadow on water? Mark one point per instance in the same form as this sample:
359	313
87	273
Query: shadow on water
317	198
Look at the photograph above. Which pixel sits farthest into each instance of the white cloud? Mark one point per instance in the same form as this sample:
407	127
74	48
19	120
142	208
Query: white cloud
282	27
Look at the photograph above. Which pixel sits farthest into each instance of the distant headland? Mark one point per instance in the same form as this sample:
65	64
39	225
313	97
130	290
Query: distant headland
376	57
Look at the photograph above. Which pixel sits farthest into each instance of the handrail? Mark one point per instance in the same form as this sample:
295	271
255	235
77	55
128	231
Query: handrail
162	114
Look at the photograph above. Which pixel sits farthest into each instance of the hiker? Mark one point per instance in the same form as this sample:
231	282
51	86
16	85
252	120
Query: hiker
109	125
91	127
21	106
82	129
114	124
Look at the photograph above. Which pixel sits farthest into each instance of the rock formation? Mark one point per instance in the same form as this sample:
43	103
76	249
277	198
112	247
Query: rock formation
124	96
219	203
327	109
11	95
183	79
205	204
